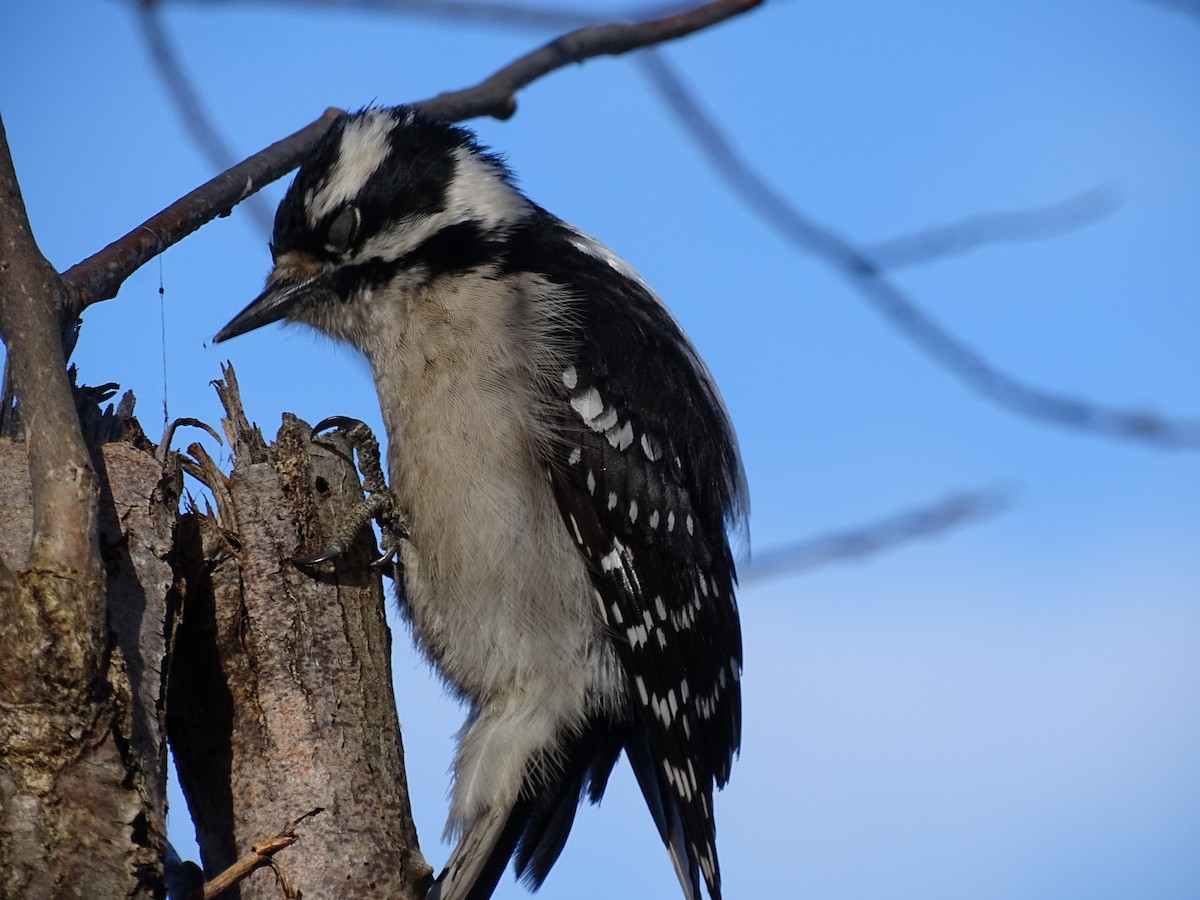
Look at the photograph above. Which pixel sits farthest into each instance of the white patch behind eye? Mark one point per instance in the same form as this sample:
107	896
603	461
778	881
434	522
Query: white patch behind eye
478	191
363	149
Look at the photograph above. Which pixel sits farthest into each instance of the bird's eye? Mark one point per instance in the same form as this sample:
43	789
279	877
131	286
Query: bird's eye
343	229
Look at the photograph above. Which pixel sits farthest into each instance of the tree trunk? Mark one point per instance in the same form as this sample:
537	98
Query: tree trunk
83	779
281	695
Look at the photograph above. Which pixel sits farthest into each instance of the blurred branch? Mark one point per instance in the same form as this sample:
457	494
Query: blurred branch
866	277
1187	7
187	101
520	15
100	276
886	534
994	227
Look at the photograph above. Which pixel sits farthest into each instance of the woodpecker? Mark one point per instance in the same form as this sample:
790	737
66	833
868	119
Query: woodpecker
568	476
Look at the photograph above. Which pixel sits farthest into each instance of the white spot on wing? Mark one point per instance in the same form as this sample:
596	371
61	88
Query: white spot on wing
592	247
611	560
641	686
604	421
588	404
622	438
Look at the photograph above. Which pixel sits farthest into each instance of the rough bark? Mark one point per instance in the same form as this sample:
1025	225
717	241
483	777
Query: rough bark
80	810
281	692
123	812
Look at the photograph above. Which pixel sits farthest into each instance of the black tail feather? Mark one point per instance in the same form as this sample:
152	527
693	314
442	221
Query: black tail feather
665	811
551	798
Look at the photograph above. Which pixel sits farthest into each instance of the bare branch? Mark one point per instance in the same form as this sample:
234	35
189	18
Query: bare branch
195	117
936	519
887	299
496	96
994	227
100	276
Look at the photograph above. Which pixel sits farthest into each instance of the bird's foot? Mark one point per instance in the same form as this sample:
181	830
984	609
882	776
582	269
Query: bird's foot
379	505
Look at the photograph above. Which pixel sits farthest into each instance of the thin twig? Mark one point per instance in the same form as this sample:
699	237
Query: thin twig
261	854
929	521
887	299
164	445
100	276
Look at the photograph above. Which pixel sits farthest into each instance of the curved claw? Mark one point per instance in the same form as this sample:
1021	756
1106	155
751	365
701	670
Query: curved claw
346	422
390	554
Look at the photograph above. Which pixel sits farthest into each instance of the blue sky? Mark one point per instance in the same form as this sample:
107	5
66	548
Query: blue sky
1009	710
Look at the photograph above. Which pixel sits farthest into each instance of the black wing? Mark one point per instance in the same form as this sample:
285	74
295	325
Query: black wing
647	477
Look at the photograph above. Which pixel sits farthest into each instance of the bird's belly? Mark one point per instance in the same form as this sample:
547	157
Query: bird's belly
498	595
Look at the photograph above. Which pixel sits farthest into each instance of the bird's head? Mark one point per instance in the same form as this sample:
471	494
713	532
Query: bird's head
389	199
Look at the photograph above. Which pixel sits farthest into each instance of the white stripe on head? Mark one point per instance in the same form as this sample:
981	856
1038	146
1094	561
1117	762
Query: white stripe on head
364	147
478	191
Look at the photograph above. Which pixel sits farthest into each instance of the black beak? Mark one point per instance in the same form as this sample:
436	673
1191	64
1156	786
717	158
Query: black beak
275	303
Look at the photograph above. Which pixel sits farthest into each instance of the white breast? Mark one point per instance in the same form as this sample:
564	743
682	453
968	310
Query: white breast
497	591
